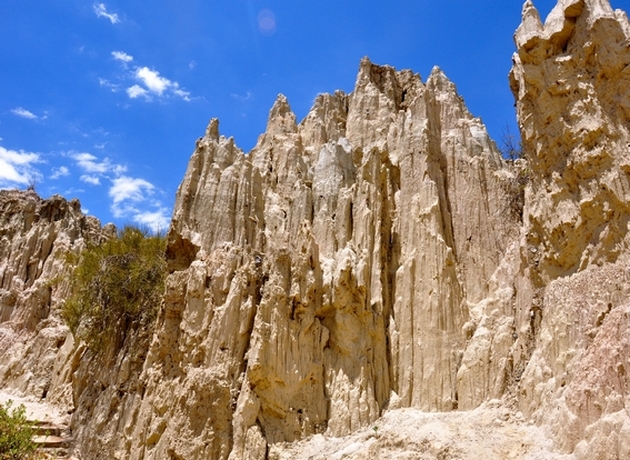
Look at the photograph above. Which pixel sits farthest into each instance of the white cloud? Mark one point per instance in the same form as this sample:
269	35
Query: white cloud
185	95
20	112
88	163
119	169
108	84
130	189
122	56
154	85
62	171
192	64
89	179
137	91
152	80
157	221
95	169
148	82
16	168
131	198
101	12
20	158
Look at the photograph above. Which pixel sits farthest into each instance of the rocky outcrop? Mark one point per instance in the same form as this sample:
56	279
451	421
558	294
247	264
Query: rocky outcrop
36	236
570	79
380	255
39	358
326	275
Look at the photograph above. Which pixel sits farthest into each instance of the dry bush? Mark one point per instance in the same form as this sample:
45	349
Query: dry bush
117	285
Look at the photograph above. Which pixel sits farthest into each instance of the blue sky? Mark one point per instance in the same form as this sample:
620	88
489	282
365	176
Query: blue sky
104	101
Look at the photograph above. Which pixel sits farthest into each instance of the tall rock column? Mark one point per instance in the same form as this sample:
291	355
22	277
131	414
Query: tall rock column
322	276
570	79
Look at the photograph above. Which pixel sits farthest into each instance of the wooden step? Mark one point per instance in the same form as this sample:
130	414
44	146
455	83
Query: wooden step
51	442
44	429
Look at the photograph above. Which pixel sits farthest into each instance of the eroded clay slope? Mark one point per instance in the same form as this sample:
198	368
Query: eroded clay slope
36	237
375	256
326	274
571	80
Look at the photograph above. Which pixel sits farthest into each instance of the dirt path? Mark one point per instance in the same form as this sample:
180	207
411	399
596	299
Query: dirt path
51	430
37	410
491	432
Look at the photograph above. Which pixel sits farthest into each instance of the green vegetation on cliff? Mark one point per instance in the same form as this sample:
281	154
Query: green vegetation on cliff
117	286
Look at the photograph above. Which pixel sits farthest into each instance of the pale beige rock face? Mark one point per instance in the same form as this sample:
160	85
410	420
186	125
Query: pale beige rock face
35	237
571	81
326	271
366	264
39	359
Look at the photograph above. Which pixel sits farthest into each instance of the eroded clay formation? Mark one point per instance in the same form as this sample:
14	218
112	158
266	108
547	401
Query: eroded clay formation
378	255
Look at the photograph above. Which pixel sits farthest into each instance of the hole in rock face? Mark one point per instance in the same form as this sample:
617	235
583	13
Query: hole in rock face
180	253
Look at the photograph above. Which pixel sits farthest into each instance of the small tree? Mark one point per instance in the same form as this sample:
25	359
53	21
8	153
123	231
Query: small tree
117	285
511	145
16	433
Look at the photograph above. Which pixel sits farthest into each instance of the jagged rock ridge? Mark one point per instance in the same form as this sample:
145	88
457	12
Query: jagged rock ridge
326	275
35	237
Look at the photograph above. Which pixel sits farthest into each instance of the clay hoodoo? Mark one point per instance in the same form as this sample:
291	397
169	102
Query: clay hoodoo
328	273
571	81
36	235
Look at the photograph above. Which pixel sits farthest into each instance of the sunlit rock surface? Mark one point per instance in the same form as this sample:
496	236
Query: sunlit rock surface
571	80
377	264
36	236
326	272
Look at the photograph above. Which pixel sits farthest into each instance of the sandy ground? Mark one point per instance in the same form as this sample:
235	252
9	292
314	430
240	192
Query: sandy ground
487	433
491	432
36	409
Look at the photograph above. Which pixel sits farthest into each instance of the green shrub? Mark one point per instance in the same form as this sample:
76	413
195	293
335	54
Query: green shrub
16	433
117	285
512	150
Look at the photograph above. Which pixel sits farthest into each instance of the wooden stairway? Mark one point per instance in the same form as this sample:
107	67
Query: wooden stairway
52	440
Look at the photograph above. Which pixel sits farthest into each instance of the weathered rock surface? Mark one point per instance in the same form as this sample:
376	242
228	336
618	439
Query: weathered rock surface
326	272
379	257
36	235
490	432
39	357
571	80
